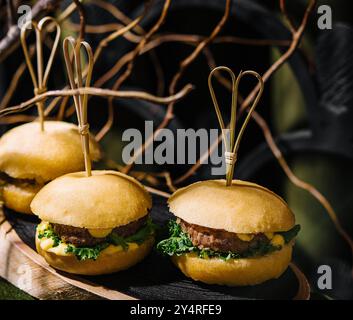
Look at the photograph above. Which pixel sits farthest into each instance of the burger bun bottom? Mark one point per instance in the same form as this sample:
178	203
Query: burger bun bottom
235	272
105	263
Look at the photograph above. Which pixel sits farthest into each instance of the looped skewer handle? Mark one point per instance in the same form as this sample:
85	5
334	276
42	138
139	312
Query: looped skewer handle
232	145
39	79
74	71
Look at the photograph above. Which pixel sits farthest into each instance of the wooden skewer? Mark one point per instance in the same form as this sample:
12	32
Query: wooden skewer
40	80
232	144
76	81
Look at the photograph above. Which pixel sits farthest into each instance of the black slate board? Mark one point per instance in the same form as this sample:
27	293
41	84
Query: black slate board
157	278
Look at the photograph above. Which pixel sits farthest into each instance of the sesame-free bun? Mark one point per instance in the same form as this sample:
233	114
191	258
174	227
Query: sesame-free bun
107	199
243	207
28	153
19	198
235	272
106	263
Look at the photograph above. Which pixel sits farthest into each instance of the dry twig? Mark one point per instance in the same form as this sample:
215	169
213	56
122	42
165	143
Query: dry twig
82	14
10	41
130	66
296	37
98	92
183	66
299	182
22	67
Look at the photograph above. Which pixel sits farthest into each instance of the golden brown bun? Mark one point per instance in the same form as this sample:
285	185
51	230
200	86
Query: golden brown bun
243	207
105	264
235	272
107	199
28	153
19	198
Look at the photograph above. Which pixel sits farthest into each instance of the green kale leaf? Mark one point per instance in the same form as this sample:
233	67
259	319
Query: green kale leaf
84	253
178	242
50	234
139	237
290	234
117	240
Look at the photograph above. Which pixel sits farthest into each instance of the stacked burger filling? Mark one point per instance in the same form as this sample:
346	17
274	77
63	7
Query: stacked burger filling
25	184
82	237
87	243
185	237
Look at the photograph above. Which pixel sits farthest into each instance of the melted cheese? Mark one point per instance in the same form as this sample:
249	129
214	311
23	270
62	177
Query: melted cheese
269	235
43	226
133	246
114	249
277	240
100	233
60	250
245	236
46	244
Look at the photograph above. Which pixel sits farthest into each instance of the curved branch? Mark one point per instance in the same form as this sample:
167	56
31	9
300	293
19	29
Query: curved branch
273	68
10	41
82	14
130	65
296	37
183	66
98	92
299	182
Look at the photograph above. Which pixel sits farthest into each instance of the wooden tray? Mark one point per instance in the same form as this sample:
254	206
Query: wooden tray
153	278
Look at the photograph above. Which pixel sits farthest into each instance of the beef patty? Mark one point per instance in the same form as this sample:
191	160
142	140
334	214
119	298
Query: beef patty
18	182
81	237
219	240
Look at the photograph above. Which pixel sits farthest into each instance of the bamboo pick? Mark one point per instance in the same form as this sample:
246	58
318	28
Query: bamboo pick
40	80
76	82
232	145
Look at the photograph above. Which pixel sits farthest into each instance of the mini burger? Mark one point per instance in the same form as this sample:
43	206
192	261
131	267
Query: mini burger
234	235
30	158
93	225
